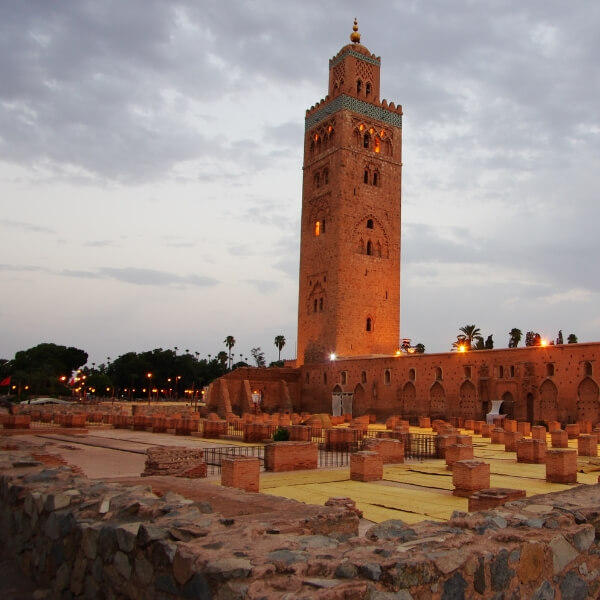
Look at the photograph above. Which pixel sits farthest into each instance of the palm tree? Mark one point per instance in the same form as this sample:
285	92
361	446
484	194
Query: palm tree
515	337
279	343
229	341
471	333
572	339
259	356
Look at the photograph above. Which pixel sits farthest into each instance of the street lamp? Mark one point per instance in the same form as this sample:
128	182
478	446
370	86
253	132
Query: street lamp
149	376
177	387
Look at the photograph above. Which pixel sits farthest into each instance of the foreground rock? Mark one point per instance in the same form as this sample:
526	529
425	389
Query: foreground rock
85	539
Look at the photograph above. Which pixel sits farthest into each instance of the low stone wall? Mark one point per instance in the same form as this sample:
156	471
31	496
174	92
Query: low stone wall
88	539
291	456
176	461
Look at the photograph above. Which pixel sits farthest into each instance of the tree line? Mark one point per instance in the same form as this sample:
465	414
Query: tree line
470	338
55	370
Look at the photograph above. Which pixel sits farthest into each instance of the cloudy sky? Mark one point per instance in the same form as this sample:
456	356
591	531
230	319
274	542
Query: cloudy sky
151	153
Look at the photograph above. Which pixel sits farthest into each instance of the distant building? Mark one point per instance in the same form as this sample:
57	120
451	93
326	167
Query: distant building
348	354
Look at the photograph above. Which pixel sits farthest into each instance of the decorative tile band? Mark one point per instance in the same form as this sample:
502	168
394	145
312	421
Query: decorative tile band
355	105
341	57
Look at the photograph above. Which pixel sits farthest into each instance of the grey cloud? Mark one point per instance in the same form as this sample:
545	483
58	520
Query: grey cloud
23	226
264	286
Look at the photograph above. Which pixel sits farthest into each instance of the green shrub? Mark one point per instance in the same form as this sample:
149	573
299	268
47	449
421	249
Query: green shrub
281	435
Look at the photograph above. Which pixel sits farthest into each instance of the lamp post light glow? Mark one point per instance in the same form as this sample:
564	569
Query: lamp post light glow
332	356
149	376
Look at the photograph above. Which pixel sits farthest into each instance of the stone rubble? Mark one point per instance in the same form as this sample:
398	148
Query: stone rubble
79	538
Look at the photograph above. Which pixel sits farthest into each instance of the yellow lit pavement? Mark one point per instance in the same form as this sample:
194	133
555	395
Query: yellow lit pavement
417	491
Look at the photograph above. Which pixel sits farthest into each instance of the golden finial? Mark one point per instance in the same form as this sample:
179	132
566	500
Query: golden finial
355	36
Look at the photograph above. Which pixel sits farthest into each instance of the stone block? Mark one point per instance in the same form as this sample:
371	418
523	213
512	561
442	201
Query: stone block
390	450
470	424
291	456
241	472
342	439
497	435
213	429
587	445
510	440
585	426
443	441
493	497
524	427
553	426
470	476
258	432
486	428
366	466
531	451
509	425
538	432
464	440
300	433
561	466
457	452
560	438
572	430
425	422
477	425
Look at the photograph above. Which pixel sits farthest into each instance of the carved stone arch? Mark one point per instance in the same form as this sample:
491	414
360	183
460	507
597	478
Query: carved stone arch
588	405
508	405
437	401
410	406
377	233
361	400
317	293
548	402
320	209
468	401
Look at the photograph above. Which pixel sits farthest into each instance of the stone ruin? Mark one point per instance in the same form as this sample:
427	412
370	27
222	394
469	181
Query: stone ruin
79	538
176	461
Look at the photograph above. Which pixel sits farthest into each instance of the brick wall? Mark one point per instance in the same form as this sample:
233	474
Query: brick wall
291	456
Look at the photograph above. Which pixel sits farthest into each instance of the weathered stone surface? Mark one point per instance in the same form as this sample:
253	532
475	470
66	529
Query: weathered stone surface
531	562
584	538
228	568
562	553
500	572
345	570
573	587
454	588
394	529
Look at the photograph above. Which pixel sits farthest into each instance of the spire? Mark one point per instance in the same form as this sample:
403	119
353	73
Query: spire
355	36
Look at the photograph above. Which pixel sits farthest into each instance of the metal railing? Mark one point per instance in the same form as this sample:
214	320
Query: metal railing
214	456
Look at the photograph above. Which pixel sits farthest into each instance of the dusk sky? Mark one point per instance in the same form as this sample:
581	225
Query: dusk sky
151	167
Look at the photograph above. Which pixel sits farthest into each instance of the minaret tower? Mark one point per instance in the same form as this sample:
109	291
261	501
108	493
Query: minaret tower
349	297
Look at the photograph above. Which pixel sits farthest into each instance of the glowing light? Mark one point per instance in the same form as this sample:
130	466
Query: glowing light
361	127
462	348
332	356
398	352
411	350
543	342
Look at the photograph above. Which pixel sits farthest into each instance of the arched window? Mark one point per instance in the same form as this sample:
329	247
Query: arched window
320	304
366	176
363	377
587	369
369	324
412	374
368	88
369	223
370	248
318	228
323	226
438	373
324	378
344	377
512	370
366	140
500	372
467	372
387	377
315	305
317	181
376	178
326	176
550	369
377	145
359	86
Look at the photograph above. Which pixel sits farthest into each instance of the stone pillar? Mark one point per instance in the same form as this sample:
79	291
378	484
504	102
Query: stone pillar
465	440
553	426
366	466
524	427
585	426
572	430
497	435
291	456
559	438
470	476
443	441
509	425
587	445
424	422
561	466
538	432
477	425
457	452
241	472
486	428
510	440
390	450
531	451
470	424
